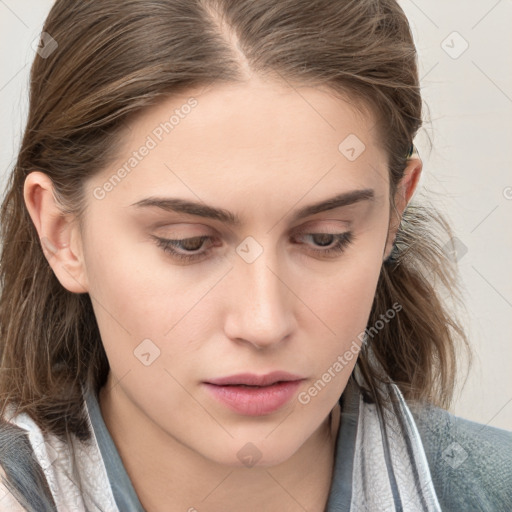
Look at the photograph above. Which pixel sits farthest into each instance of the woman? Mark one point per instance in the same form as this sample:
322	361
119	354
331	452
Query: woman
217	292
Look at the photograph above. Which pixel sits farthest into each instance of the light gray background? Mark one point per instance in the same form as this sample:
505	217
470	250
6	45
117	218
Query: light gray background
467	173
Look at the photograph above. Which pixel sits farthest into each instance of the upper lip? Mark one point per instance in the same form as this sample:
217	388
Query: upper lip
251	379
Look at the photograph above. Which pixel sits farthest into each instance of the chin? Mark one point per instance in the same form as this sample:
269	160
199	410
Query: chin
259	452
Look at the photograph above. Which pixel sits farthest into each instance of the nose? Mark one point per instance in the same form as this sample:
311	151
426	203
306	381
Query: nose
261	304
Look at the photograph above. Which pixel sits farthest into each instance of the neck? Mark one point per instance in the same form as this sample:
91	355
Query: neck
163	471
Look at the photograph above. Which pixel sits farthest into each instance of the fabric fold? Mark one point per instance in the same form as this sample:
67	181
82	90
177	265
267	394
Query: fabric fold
390	468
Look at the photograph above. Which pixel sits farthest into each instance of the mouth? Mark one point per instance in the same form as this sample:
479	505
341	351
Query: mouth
253	395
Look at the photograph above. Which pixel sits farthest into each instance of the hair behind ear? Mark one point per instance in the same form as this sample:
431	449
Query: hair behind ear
418	346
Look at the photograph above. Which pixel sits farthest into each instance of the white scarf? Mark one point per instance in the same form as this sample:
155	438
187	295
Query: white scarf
390	471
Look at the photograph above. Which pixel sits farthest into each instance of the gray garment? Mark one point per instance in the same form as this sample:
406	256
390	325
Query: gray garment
470	463
122	488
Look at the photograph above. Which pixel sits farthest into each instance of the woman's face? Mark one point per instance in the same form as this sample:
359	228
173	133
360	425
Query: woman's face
276	291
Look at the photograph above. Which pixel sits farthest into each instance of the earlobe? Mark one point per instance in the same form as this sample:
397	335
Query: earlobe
57	232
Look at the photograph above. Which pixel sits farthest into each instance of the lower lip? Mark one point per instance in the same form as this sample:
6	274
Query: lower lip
255	401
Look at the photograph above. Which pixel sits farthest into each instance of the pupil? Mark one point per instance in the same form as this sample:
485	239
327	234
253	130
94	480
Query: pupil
192	244
323	237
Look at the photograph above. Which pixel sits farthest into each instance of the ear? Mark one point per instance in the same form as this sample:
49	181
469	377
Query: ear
58	233
405	190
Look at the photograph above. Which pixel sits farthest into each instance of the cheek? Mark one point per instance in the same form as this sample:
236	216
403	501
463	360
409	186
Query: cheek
343	298
129	278
344	309
341	306
129	300
138	294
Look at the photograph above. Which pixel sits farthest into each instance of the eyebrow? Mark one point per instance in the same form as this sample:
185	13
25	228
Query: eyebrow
202	210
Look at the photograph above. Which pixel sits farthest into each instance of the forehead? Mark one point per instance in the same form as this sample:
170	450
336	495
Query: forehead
269	138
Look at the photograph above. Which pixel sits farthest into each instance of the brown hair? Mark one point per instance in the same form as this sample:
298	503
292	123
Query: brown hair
115	58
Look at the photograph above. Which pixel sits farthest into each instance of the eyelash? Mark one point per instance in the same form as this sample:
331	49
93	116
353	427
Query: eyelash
343	240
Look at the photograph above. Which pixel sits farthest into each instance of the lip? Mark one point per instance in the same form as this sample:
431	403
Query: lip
251	379
273	392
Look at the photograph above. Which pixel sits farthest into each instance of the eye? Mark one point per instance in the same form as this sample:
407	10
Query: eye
185	244
336	243
186	249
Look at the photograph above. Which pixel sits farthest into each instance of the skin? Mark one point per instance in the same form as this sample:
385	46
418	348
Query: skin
260	150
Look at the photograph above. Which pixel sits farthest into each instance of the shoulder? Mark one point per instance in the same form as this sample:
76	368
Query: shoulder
470	463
